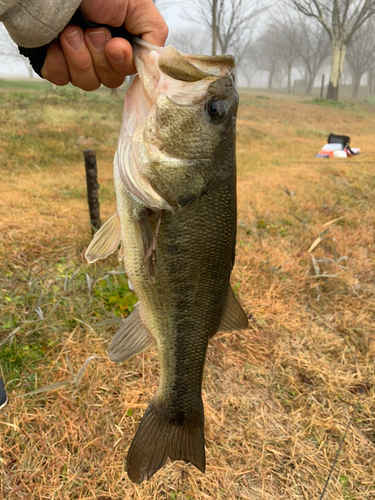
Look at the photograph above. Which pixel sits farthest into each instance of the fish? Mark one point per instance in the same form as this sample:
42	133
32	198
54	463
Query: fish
176	219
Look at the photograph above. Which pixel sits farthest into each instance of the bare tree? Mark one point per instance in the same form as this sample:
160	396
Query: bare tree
361	54
285	34
313	48
248	69
190	42
9	51
242	49
371	75
341	19
226	19
268	54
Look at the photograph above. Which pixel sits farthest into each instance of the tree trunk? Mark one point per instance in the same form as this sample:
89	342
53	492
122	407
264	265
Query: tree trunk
337	64
289	81
270	80
370	81
214	27
310	85
357	81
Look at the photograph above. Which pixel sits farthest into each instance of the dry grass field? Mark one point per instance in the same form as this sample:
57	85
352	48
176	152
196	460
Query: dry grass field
278	397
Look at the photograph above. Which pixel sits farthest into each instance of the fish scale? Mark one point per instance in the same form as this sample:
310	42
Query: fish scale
175	180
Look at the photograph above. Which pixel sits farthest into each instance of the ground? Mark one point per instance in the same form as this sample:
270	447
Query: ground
279	397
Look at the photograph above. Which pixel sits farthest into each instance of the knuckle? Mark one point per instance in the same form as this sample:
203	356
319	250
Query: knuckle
90	86
102	66
87	84
54	77
60	82
114	83
164	30
83	66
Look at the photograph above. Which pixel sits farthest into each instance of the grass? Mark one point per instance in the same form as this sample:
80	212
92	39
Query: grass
278	397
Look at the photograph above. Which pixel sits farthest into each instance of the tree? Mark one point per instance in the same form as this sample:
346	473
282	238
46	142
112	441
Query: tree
361	54
341	19
267	54
190	42
242	50
285	37
313	48
226	20
9	51
248	69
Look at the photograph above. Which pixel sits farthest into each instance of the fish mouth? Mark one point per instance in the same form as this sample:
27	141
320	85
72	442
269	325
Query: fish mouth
182	78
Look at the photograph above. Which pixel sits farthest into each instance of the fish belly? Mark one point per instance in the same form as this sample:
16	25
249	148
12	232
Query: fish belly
181	309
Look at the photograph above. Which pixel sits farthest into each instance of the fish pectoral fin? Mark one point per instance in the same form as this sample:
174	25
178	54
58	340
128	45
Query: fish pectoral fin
132	338
121	253
147	239
105	241
234	317
158	438
151	252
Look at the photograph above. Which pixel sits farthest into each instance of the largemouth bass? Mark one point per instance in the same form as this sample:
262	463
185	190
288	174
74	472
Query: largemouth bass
175	179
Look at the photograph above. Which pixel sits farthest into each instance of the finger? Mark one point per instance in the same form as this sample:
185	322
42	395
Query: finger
120	55
78	57
111	72
140	17
144	19
55	68
97	11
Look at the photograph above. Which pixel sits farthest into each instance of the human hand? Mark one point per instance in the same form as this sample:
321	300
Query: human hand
91	57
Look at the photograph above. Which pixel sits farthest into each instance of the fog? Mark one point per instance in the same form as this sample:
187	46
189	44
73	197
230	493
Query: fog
280	47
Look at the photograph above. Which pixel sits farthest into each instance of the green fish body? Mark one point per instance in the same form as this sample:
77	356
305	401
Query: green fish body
175	179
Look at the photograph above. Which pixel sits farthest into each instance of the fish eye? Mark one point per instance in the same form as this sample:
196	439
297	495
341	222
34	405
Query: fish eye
216	110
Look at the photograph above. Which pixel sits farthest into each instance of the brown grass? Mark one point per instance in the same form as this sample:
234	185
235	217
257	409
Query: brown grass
278	397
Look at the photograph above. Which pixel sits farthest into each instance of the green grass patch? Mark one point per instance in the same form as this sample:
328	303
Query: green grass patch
330	103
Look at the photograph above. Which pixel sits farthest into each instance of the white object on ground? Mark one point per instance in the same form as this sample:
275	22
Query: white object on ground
332	147
339	154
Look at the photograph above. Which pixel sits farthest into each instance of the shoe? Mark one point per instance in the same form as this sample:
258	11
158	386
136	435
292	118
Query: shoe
3	395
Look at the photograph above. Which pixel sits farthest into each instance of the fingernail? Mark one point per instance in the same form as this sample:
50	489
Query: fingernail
117	55
75	40
98	39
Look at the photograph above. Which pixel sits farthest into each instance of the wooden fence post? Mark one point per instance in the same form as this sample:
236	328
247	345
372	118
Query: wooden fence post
92	188
322	88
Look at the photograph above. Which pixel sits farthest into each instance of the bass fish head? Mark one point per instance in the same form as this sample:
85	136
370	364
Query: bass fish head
178	131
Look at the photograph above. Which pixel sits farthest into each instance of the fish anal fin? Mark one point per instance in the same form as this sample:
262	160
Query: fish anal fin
132	338
105	241
234	317
158	438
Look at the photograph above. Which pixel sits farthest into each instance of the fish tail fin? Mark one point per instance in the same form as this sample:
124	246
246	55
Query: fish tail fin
157	439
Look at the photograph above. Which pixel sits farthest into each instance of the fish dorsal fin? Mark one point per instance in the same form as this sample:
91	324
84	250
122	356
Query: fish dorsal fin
234	317
132	338
105	241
